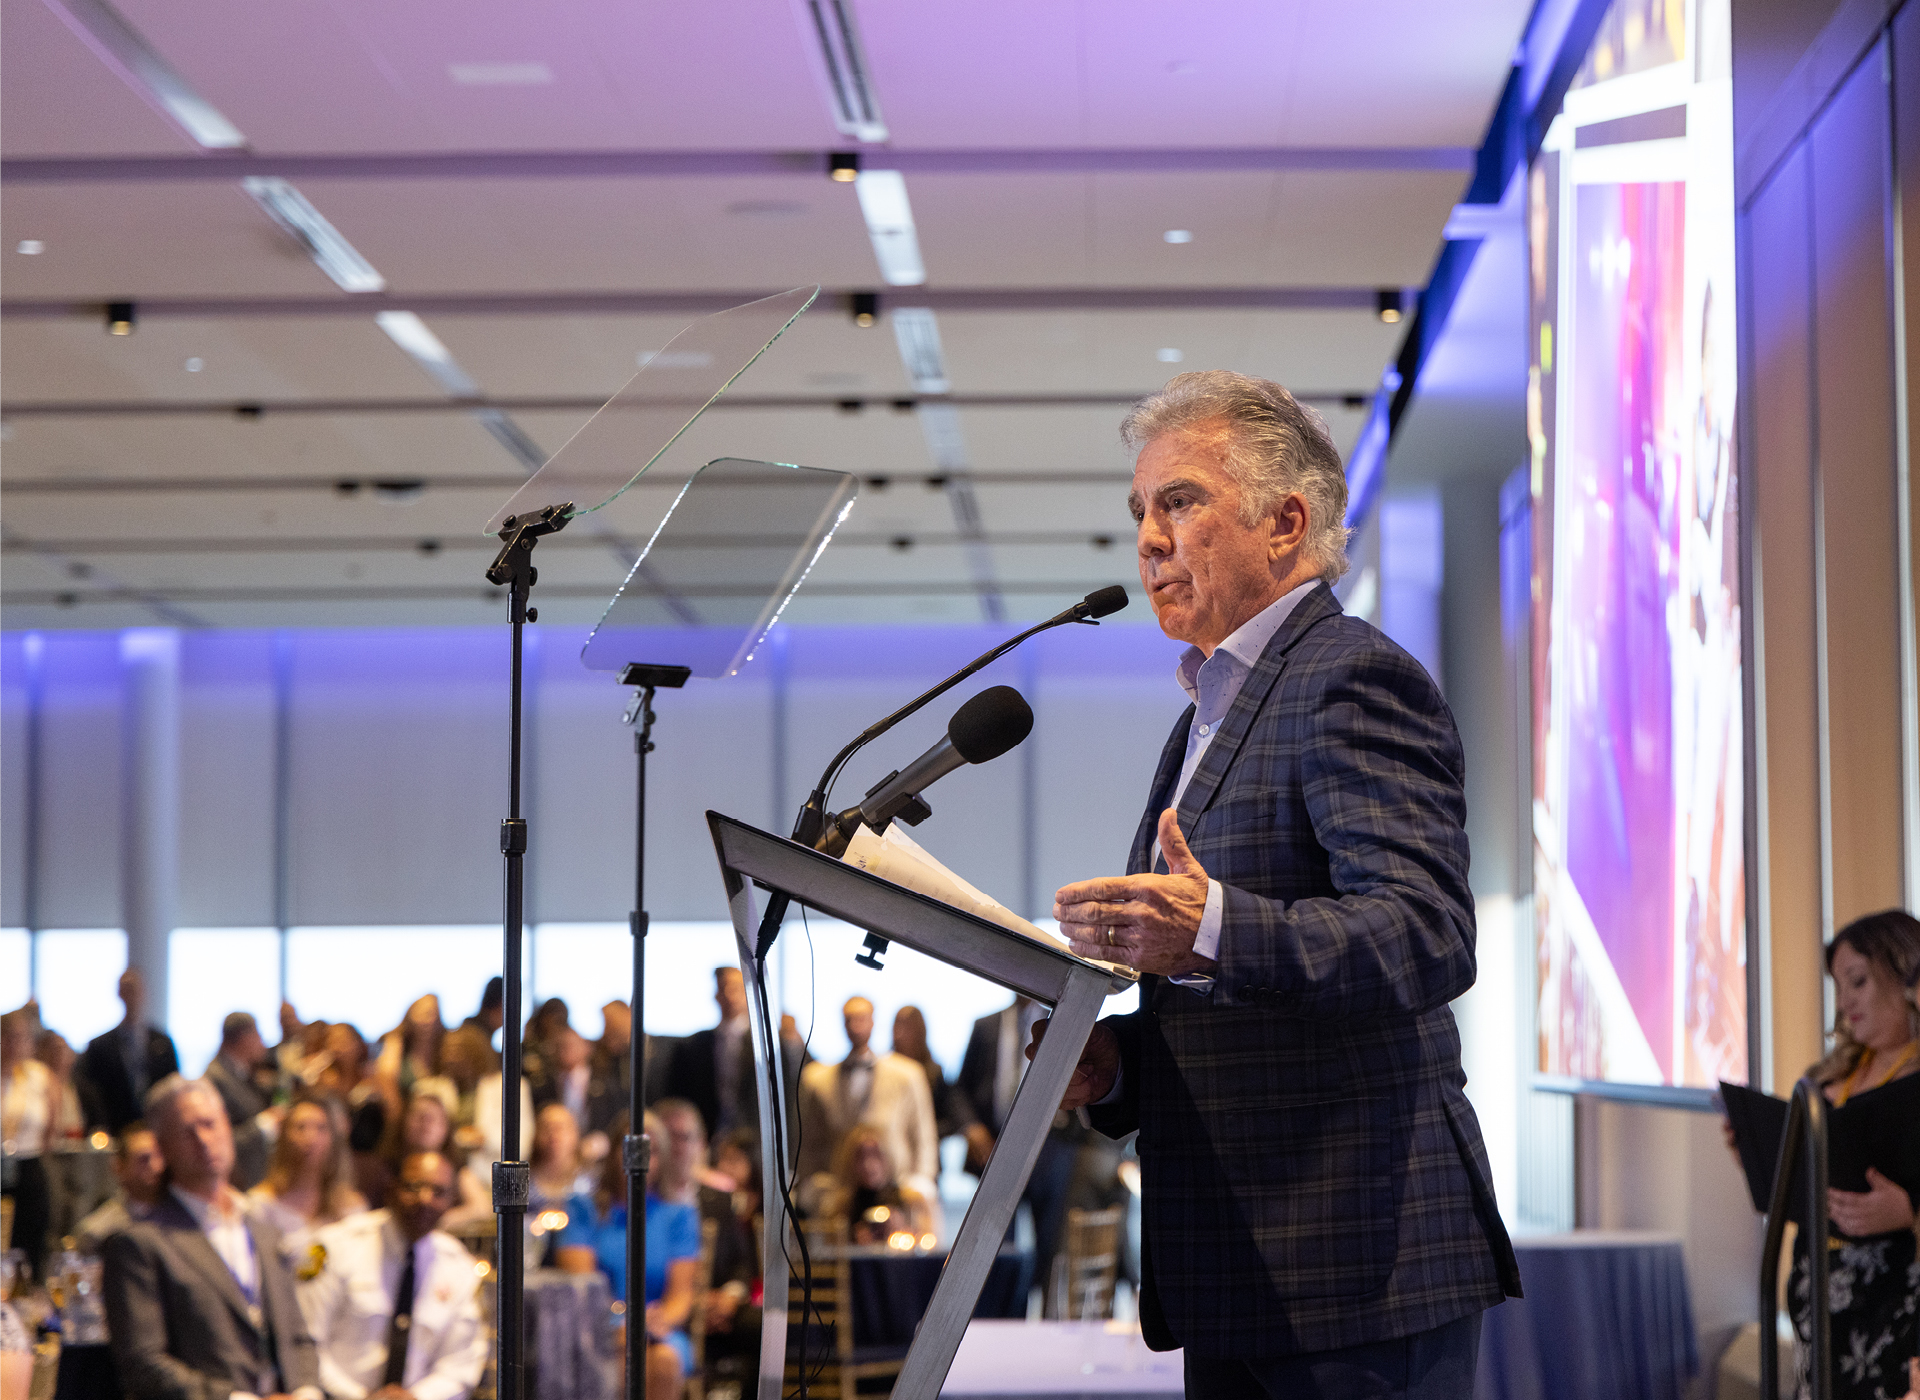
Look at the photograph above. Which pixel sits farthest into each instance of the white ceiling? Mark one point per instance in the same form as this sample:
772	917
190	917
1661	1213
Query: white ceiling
1319	150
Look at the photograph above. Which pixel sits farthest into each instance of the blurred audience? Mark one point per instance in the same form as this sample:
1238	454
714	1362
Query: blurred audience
392	1300
199	1300
66	1120
713	1069
596	1238
868	1195
411	1050
889	1093
426	1125
140	1176
492	1013
26	1110
952	1110
309	1183
559	1171
256	1122
120	1066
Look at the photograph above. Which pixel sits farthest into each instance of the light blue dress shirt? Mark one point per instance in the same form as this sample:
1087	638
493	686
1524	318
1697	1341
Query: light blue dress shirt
1213	684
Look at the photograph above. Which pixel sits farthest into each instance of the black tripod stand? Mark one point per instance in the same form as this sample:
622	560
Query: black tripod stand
636	1149
512	1179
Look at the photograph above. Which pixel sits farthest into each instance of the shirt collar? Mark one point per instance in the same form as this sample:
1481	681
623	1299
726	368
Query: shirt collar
1244	645
223	1210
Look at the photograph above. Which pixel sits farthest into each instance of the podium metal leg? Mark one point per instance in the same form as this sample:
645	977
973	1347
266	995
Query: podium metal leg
1014	1155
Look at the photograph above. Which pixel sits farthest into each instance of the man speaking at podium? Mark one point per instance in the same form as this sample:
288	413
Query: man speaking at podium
1318	1212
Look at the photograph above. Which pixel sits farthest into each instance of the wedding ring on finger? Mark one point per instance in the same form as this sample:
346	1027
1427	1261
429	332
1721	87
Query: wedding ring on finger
1110	942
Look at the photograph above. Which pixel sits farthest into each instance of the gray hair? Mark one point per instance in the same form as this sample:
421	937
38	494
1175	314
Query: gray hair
159	1105
1275	447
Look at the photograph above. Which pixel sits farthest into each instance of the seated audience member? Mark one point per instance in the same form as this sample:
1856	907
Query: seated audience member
339	1070
141	1174
119	1066
952	1110
199	1300
685	1177
392	1301
66	1120
536	1041
291	1053
256	1122
596	1237
16	1355
26	1109
427	1126
487	1108
411	1050
1874	962
559	1173
309	1182
564	1076
492	1013
868	1195
465	1060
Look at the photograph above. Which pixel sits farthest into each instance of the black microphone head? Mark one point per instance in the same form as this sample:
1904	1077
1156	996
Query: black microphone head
1108	600
995	720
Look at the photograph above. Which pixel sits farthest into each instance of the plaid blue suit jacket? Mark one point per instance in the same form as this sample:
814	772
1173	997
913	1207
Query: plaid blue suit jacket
1312	1174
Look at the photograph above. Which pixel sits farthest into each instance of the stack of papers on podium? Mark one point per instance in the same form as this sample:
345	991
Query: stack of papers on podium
896	856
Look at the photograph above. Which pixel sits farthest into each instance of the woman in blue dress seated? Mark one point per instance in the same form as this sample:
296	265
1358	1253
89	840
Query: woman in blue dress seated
595	1237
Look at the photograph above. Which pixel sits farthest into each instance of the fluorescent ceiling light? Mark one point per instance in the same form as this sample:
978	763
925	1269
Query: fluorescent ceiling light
896	247
1169	355
918	335
334	256
30	247
500	74
843	61
1178	235
124	49
425	349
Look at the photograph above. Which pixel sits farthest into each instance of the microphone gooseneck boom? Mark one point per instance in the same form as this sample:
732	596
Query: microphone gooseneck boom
811	824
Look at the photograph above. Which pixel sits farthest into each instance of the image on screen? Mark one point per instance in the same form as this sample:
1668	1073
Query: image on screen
1638	808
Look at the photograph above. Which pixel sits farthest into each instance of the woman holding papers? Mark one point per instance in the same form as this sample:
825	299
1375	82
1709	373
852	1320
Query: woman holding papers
1874	1284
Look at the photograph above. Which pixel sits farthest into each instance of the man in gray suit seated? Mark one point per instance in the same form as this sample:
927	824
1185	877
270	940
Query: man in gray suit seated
199	1303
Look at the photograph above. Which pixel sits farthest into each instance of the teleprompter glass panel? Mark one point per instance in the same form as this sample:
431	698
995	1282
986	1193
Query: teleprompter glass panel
630	431
731	550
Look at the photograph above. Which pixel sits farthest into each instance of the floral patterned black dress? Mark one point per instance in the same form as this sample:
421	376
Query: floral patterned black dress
1873	1292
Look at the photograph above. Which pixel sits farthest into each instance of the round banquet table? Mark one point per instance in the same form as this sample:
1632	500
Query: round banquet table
1607	1316
891	1290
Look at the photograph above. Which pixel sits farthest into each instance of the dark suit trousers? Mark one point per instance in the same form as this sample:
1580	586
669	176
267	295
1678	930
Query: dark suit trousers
1437	1364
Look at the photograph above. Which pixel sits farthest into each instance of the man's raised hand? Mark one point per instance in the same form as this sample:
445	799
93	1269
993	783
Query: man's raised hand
1147	922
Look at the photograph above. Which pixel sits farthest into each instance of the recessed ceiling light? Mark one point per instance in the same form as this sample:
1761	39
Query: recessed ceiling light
500	74
324	243
1178	235
32	247
1182	66
843	63
195	364
1169	355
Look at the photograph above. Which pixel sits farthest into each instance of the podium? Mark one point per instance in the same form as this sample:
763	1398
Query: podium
1073	987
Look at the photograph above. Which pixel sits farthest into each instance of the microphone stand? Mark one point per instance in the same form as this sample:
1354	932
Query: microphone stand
811	824
512	1178
636	1149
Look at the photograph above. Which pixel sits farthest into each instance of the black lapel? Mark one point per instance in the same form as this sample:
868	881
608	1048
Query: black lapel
1316	607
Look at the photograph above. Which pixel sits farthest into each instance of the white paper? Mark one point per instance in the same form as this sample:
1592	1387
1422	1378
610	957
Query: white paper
897	857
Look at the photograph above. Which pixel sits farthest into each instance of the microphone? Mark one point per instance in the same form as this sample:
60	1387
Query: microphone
987	726
810	826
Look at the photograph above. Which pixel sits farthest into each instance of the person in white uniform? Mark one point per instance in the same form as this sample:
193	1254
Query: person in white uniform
393	1302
